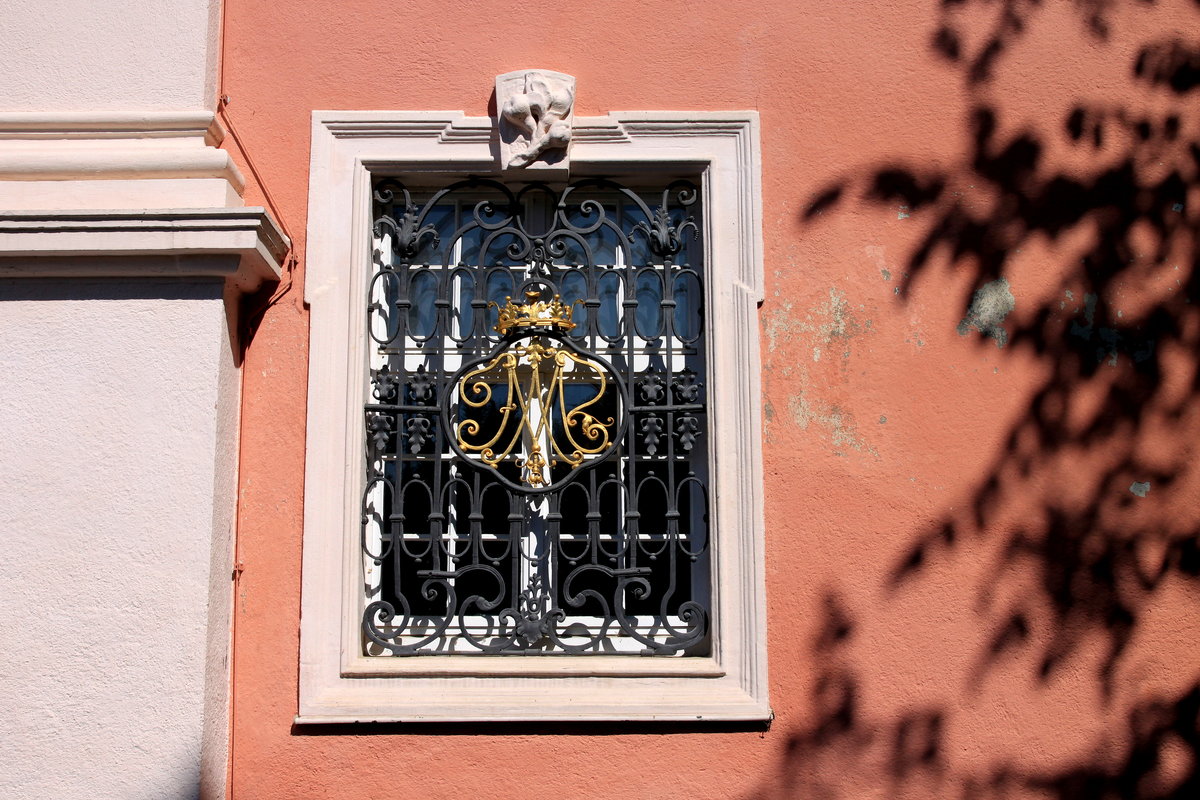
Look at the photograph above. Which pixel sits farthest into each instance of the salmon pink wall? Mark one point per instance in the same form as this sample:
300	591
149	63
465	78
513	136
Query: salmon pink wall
979	341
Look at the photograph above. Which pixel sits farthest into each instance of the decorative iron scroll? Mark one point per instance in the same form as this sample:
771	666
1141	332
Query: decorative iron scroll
543	367
536	469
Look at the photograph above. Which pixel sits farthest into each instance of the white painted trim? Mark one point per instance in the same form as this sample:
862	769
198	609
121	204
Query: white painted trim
111	125
149	193
243	245
339	685
61	146
116	163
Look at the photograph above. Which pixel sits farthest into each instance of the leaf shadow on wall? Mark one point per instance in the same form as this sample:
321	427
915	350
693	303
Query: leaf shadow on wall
1102	463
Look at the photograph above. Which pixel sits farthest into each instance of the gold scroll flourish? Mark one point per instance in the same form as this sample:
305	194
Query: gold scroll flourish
534	375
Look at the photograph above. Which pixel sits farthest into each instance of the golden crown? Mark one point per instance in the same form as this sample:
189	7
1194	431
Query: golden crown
533	313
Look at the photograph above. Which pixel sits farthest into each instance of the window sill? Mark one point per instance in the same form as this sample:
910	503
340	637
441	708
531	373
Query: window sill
531	666
533	699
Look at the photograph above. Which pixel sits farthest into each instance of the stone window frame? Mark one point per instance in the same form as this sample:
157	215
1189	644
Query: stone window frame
338	683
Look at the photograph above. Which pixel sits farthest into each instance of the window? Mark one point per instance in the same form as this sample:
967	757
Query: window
536	436
533	424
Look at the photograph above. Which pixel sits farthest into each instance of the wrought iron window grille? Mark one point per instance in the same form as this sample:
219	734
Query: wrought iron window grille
536	477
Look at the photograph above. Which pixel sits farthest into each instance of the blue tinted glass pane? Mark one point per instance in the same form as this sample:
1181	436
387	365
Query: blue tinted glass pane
610	288
422	313
649	304
639	250
687	306
464	314
574	252
678	215
604	241
441	217
499	286
497	249
574	289
475	215
471	241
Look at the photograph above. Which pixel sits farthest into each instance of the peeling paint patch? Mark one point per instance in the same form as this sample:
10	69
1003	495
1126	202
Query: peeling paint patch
779	323
990	306
829	327
877	254
1140	488
839	423
902	212
768	421
837	327
882	420
827	330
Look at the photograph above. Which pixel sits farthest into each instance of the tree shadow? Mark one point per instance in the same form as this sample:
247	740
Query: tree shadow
1104	453
844	752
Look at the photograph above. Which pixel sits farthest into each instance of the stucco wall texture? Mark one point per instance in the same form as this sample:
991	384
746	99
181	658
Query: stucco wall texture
979	341
120	55
111	402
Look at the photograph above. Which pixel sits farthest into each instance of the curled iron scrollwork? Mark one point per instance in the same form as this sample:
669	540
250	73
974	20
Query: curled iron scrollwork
536	468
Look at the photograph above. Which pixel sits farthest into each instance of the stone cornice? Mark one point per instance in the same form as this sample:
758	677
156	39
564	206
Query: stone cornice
64	146
103	125
242	245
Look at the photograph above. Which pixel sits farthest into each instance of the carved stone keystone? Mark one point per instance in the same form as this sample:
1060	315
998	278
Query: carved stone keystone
535	111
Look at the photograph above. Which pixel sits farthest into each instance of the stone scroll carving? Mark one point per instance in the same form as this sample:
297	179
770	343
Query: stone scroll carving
535	110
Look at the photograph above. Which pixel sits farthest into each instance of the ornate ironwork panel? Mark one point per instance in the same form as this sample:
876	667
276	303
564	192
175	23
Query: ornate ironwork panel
535	424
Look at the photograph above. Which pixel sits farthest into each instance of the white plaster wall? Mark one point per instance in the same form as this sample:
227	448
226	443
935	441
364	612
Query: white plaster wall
67	55
112	396
214	750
